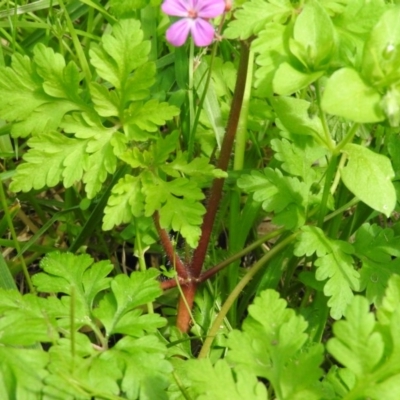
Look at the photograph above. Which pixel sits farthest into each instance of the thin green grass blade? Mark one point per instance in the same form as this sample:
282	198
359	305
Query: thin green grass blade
6	279
27	8
44	229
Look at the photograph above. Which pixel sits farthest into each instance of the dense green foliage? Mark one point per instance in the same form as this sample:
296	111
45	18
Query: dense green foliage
113	159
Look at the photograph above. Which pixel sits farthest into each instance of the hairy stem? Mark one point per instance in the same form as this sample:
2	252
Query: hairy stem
169	248
171	283
195	267
185	305
223	162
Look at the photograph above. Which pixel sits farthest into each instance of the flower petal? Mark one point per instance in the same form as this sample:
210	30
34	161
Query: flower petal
177	8
202	32
209	8
178	32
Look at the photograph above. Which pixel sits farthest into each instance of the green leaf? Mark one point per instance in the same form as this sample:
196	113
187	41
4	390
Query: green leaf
138	84
150	115
140	288
59	80
163	147
198	167
19	312
133	323
130	86
20	89
73	275
22	372
125	203
341	381
335	265
23	100
386	375
298	156
184	216
375	247
51	158
313	37
118	310
368	176
101	162
220	382
80	376
271	46
123	51
254	15
347	95
285	196
95	279
391	300
183	187
64	270
102	146
381	55
106	102
273	345
335	7
391	105
145	370
288	79
359	17
356	344
294	115
177	202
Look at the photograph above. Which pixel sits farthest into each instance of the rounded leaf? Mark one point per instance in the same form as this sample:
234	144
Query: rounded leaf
368	176
348	96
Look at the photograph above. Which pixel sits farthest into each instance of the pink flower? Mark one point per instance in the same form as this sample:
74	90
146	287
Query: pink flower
195	15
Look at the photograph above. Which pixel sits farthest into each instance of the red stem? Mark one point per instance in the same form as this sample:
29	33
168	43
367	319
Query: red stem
223	163
185	306
195	267
174	259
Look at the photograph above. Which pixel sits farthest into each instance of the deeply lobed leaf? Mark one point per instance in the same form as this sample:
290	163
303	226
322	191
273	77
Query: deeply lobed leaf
273	345
335	266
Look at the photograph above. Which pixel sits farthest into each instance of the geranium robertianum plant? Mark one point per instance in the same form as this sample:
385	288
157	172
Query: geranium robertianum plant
258	146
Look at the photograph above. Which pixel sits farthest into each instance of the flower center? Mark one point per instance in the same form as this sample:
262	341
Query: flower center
192	13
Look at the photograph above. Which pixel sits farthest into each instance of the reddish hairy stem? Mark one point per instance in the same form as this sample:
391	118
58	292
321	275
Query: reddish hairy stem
216	268
171	283
196	265
185	306
223	162
169	249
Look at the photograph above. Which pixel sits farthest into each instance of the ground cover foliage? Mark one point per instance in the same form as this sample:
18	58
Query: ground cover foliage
200	222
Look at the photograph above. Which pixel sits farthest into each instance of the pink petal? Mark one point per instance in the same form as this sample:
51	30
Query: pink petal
177	8
178	32
209	8
202	32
